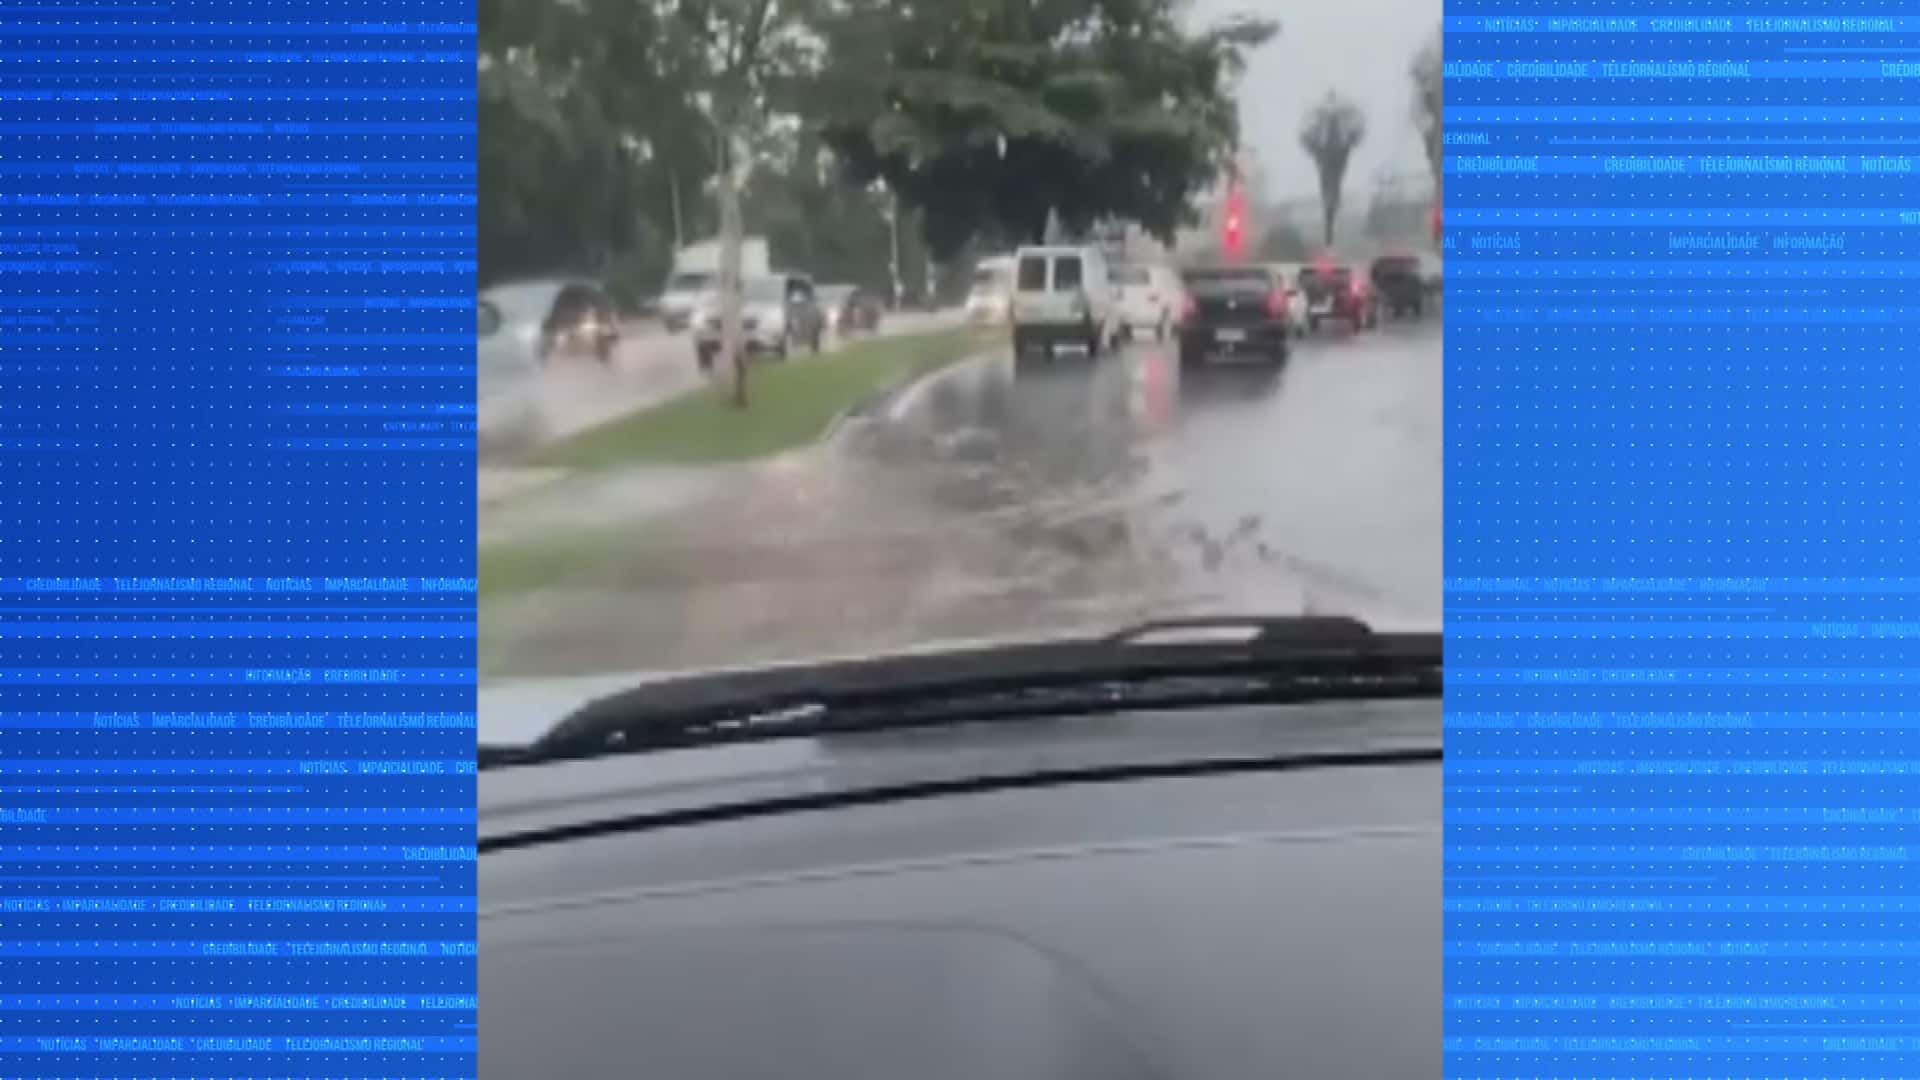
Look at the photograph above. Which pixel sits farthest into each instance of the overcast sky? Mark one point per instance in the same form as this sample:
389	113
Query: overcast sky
1360	48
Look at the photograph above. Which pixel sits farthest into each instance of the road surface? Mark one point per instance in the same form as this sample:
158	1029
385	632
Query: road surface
984	503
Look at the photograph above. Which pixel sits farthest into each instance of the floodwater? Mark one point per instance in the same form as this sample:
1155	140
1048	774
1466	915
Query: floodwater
991	503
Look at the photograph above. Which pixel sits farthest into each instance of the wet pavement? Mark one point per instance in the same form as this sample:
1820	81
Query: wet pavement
988	502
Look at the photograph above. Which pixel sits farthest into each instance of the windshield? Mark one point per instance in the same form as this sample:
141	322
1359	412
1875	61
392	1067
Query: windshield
696	494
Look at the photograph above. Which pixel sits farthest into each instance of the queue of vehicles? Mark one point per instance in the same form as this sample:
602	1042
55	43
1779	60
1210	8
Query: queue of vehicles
1049	297
1068	296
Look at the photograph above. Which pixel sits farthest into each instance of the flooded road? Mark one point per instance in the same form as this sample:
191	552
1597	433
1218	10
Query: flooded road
988	502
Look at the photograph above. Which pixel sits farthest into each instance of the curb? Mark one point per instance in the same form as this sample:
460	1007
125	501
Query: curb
880	398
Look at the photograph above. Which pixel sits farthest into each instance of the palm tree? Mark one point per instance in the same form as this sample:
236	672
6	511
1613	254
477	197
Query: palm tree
1332	129
1427	101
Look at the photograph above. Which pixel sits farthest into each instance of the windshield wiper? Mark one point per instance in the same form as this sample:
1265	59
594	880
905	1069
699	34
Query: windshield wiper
1166	664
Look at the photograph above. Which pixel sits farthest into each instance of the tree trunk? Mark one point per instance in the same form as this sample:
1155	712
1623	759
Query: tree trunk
731	350
679	225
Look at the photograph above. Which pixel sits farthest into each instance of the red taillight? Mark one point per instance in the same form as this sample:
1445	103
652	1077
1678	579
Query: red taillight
1277	303
1188	308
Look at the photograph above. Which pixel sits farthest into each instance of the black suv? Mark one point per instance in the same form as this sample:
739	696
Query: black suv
1400	283
1235	310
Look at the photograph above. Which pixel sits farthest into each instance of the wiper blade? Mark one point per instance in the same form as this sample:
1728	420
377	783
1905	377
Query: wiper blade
1164	664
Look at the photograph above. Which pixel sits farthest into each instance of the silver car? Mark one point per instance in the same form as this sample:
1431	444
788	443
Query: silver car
777	313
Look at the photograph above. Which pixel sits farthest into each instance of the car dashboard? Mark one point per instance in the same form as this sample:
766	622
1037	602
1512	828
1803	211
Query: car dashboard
1264	914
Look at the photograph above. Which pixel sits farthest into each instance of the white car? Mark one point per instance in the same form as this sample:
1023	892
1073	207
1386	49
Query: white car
991	296
1063	295
1150	299
1297	319
685	294
777	312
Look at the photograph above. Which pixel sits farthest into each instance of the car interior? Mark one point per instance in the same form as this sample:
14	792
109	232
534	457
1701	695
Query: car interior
1240	891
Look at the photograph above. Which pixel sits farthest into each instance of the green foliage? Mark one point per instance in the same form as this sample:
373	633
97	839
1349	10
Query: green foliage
812	218
1000	117
587	122
599	135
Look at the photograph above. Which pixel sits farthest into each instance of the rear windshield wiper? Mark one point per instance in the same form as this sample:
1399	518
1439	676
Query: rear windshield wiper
1166	664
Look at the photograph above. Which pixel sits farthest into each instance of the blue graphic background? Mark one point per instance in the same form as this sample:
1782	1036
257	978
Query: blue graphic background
237	518
1681	777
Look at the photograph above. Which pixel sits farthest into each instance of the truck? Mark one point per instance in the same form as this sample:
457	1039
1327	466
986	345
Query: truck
696	274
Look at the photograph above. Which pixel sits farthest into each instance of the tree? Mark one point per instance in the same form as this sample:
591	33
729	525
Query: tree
1428	98
997	118
551	192
752	49
1332	129
586	114
815	221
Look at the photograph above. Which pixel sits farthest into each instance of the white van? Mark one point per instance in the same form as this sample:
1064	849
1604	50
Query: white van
1062	295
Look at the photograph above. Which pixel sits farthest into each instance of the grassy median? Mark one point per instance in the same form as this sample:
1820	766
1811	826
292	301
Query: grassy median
577	559
789	404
